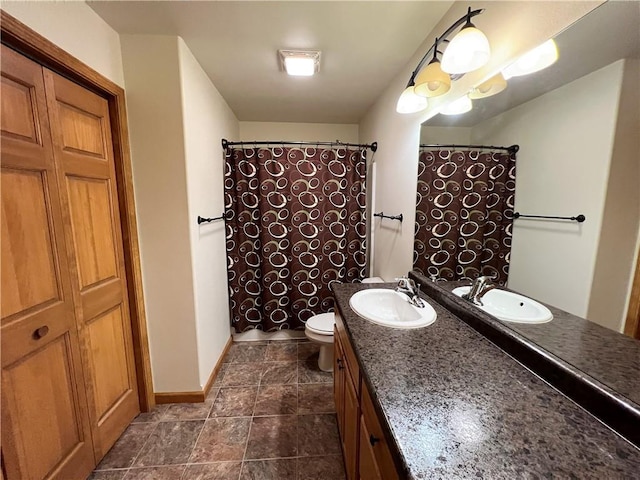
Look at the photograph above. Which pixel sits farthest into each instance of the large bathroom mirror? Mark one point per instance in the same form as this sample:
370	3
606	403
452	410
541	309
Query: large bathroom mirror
577	125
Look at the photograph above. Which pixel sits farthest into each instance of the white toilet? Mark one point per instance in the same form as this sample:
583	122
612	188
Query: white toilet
319	330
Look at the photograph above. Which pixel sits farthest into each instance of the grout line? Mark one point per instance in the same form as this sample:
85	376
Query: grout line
194	446
204	424
133	462
246	447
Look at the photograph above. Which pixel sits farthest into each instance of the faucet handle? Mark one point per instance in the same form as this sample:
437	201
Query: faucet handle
406	283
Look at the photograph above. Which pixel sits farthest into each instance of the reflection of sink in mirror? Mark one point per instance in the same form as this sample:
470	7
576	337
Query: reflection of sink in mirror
511	307
391	309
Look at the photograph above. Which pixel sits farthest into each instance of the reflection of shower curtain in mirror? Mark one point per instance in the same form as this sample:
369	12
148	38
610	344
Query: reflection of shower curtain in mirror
464	213
295	223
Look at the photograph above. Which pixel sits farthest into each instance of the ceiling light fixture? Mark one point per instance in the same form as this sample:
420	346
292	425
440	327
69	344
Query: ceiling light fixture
470	51
432	81
462	105
493	86
534	60
409	102
301	63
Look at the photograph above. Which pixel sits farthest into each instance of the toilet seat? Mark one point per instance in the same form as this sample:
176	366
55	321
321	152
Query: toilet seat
322	324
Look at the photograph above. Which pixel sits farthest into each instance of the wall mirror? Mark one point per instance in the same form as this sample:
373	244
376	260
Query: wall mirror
576	124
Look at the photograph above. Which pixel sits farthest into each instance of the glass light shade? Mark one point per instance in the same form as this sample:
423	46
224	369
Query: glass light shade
462	105
432	81
300	66
494	85
534	60
409	102
468	51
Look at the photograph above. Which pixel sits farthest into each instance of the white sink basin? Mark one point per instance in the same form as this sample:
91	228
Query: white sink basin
511	307
391	309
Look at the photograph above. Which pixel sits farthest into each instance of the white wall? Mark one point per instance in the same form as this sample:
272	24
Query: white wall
177	119
76	28
306	132
445	135
566	139
206	120
617	248
152	75
512	28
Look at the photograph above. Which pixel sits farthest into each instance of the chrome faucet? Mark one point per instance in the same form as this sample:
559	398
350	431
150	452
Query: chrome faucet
408	287
479	288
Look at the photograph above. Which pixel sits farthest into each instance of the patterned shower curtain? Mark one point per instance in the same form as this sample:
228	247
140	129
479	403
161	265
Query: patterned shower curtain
295	224
464	214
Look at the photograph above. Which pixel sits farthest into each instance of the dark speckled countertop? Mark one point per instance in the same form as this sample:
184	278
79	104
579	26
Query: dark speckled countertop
459	407
596	367
607	356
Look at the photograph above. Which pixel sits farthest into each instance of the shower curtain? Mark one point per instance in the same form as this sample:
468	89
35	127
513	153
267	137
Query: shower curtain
295	223
464	213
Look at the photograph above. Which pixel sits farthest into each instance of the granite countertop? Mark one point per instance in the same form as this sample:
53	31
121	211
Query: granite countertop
607	356
459	407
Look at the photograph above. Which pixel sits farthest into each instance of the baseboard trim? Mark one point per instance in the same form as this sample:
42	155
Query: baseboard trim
197	396
179	397
216	369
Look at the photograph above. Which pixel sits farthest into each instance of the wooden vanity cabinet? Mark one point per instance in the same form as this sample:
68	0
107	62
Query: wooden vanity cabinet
366	452
347	407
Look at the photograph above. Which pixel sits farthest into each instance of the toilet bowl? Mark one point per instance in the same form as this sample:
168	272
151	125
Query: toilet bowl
319	329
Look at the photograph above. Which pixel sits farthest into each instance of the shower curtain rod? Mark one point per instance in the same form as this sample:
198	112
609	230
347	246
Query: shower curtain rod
512	149
373	146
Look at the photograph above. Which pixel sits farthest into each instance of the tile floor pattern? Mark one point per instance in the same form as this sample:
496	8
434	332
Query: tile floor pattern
270	415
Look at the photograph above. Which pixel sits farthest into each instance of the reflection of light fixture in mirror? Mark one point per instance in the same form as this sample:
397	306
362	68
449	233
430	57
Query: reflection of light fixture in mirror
302	63
462	105
468	51
493	86
432	81
534	60
409	102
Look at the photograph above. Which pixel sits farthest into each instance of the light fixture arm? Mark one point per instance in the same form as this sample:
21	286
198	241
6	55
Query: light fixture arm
443	38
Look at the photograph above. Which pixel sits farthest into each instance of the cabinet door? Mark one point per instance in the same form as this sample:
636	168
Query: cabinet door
338	382
83	153
45	428
376	441
368	465
350	436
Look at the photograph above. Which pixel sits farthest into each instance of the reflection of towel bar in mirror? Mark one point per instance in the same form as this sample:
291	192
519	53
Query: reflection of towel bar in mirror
391	217
202	220
580	218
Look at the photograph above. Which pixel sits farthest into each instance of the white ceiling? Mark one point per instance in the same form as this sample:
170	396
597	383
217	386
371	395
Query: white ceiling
364	45
608	33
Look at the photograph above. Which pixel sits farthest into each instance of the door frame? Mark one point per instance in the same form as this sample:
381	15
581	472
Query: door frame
632	324
23	39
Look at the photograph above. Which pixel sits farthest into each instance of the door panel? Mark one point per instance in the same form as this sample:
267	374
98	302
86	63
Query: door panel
18	109
25	228
350	438
92	228
106	337
81	131
45	427
368	465
48	430
84	158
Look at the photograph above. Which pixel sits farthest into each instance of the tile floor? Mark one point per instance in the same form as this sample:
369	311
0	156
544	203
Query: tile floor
269	416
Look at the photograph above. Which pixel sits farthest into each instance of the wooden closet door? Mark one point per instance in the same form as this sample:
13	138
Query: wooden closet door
84	157
45	427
